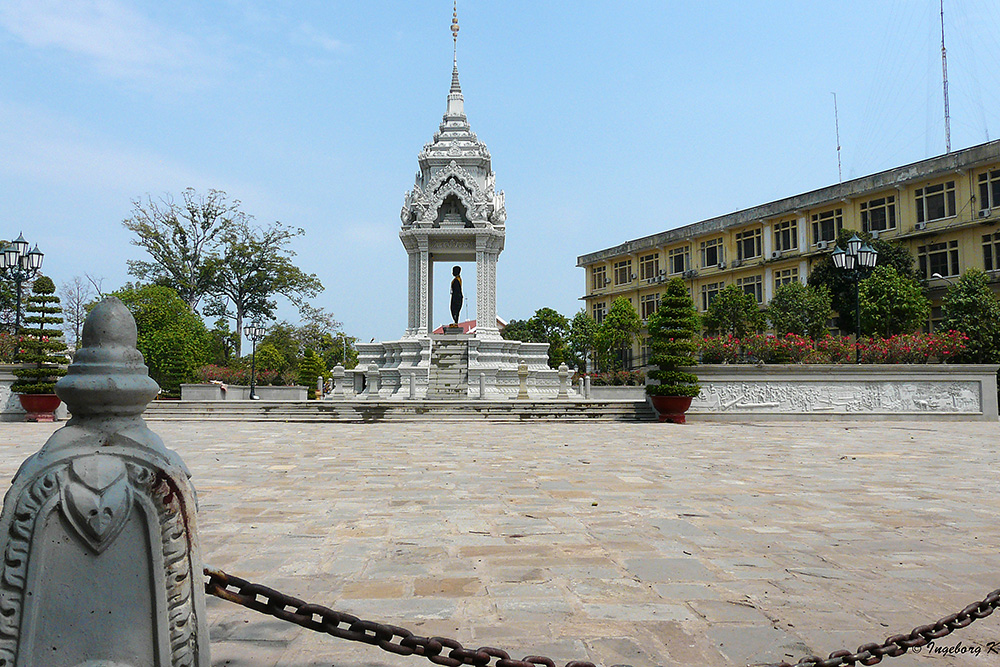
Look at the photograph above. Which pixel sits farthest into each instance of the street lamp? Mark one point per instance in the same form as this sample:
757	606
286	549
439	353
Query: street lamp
858	260
255	332
20	265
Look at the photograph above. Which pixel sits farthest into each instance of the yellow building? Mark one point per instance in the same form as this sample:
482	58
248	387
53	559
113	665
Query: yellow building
944	209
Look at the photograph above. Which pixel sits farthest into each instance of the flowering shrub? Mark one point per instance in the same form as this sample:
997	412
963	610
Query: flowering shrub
618	379
720	350
914	348
8	348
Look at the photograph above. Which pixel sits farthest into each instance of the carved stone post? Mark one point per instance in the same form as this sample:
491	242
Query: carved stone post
522	377
101	560
413	385
563	381
338	381
586	387
371	381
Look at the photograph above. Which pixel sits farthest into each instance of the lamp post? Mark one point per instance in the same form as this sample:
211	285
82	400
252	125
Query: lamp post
858	260
254	332
20	265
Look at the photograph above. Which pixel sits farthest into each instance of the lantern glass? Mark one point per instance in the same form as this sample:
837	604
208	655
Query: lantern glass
839	257
850	261
10	255
35	258
853	245
20	244
867	256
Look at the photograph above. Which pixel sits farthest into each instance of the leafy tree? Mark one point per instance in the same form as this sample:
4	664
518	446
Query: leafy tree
311	368
181	239
42	350
545	326
671	333
800	309
582	335
971	307
839	281
253	266
619	329
891	304
172	338
733	311
76	295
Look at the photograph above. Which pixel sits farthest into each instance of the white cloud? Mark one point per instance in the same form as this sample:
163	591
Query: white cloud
108	35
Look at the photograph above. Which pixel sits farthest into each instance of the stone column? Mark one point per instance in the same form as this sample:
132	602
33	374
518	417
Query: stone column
102	562
486	292
424	300
522	378
338	381
563	381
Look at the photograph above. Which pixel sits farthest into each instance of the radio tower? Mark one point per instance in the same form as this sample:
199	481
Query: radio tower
944	70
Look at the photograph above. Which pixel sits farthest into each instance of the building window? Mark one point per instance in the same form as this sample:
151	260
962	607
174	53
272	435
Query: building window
826	225
711	253
645	351
648	303
598	277
989	190
879	214
786	235
748	244
709	292
935	202
678	260
623	272
599	310
991	252
785	276
752	285
938	258
649	267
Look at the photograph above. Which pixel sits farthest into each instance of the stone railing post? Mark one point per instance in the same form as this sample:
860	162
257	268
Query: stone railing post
522	379
413	385
563	381
586	387
338	376
371	381
101	560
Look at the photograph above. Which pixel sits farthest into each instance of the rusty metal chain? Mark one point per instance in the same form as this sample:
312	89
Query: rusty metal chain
896	645
345	626
439	650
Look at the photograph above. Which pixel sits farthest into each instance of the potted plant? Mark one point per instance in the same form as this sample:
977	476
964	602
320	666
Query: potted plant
41	353
671	335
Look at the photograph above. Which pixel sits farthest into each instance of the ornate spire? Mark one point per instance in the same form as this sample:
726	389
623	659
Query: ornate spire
454	35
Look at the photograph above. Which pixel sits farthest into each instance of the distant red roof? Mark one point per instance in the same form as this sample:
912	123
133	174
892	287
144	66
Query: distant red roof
469	327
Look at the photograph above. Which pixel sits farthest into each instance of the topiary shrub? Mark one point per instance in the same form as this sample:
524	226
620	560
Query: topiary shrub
41	349
671	333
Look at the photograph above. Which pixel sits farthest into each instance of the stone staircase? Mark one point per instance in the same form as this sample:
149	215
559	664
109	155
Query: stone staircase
367	411
449	371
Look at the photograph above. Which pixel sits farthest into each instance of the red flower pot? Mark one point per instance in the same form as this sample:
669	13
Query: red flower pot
671	408
40	407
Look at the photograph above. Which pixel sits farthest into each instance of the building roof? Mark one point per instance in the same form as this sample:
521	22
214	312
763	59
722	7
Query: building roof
469	326
883	180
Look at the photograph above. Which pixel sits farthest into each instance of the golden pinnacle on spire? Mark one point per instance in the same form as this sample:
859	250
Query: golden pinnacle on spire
454	29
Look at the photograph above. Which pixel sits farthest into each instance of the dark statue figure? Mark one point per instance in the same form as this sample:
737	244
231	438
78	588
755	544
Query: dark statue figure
456	293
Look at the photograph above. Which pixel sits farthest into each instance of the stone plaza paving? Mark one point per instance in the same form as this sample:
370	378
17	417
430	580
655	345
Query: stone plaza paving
636	544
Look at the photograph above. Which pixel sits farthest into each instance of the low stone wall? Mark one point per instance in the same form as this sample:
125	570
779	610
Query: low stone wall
864	392
238	392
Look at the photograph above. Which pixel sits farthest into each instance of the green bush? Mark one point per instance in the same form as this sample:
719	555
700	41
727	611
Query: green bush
671	334
41	349
971	307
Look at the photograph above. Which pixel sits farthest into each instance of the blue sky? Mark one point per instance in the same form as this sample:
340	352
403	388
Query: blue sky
606	120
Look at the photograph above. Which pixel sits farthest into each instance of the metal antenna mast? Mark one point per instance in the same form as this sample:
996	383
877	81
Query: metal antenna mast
836	121
944	70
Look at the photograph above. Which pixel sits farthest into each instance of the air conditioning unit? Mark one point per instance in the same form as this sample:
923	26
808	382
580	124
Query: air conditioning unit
663	272
921	225
875	233
985	213
690	273
634	276
776	254
822	245
737	262
722	265
662	279
607	281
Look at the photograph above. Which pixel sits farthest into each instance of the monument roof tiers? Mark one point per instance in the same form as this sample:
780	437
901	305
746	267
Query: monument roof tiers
455	186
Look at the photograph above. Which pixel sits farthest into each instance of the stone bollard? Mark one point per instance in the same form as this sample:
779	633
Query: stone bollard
371	381
338	377
319	387
482	386
413	386
522	378
563	381
101	559
586	387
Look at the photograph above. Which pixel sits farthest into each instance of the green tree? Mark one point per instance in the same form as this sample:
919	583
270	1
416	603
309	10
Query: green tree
671	334
619	329
181	239
800	309
41	348
891	304
582	335
254	265
172	338
839	283
970	306
311	368
733	311
545	326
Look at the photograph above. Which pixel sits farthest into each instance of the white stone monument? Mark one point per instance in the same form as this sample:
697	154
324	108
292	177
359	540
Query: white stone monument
455	214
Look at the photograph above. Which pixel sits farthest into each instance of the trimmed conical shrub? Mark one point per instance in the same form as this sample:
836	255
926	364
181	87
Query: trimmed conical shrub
41	349
671	333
